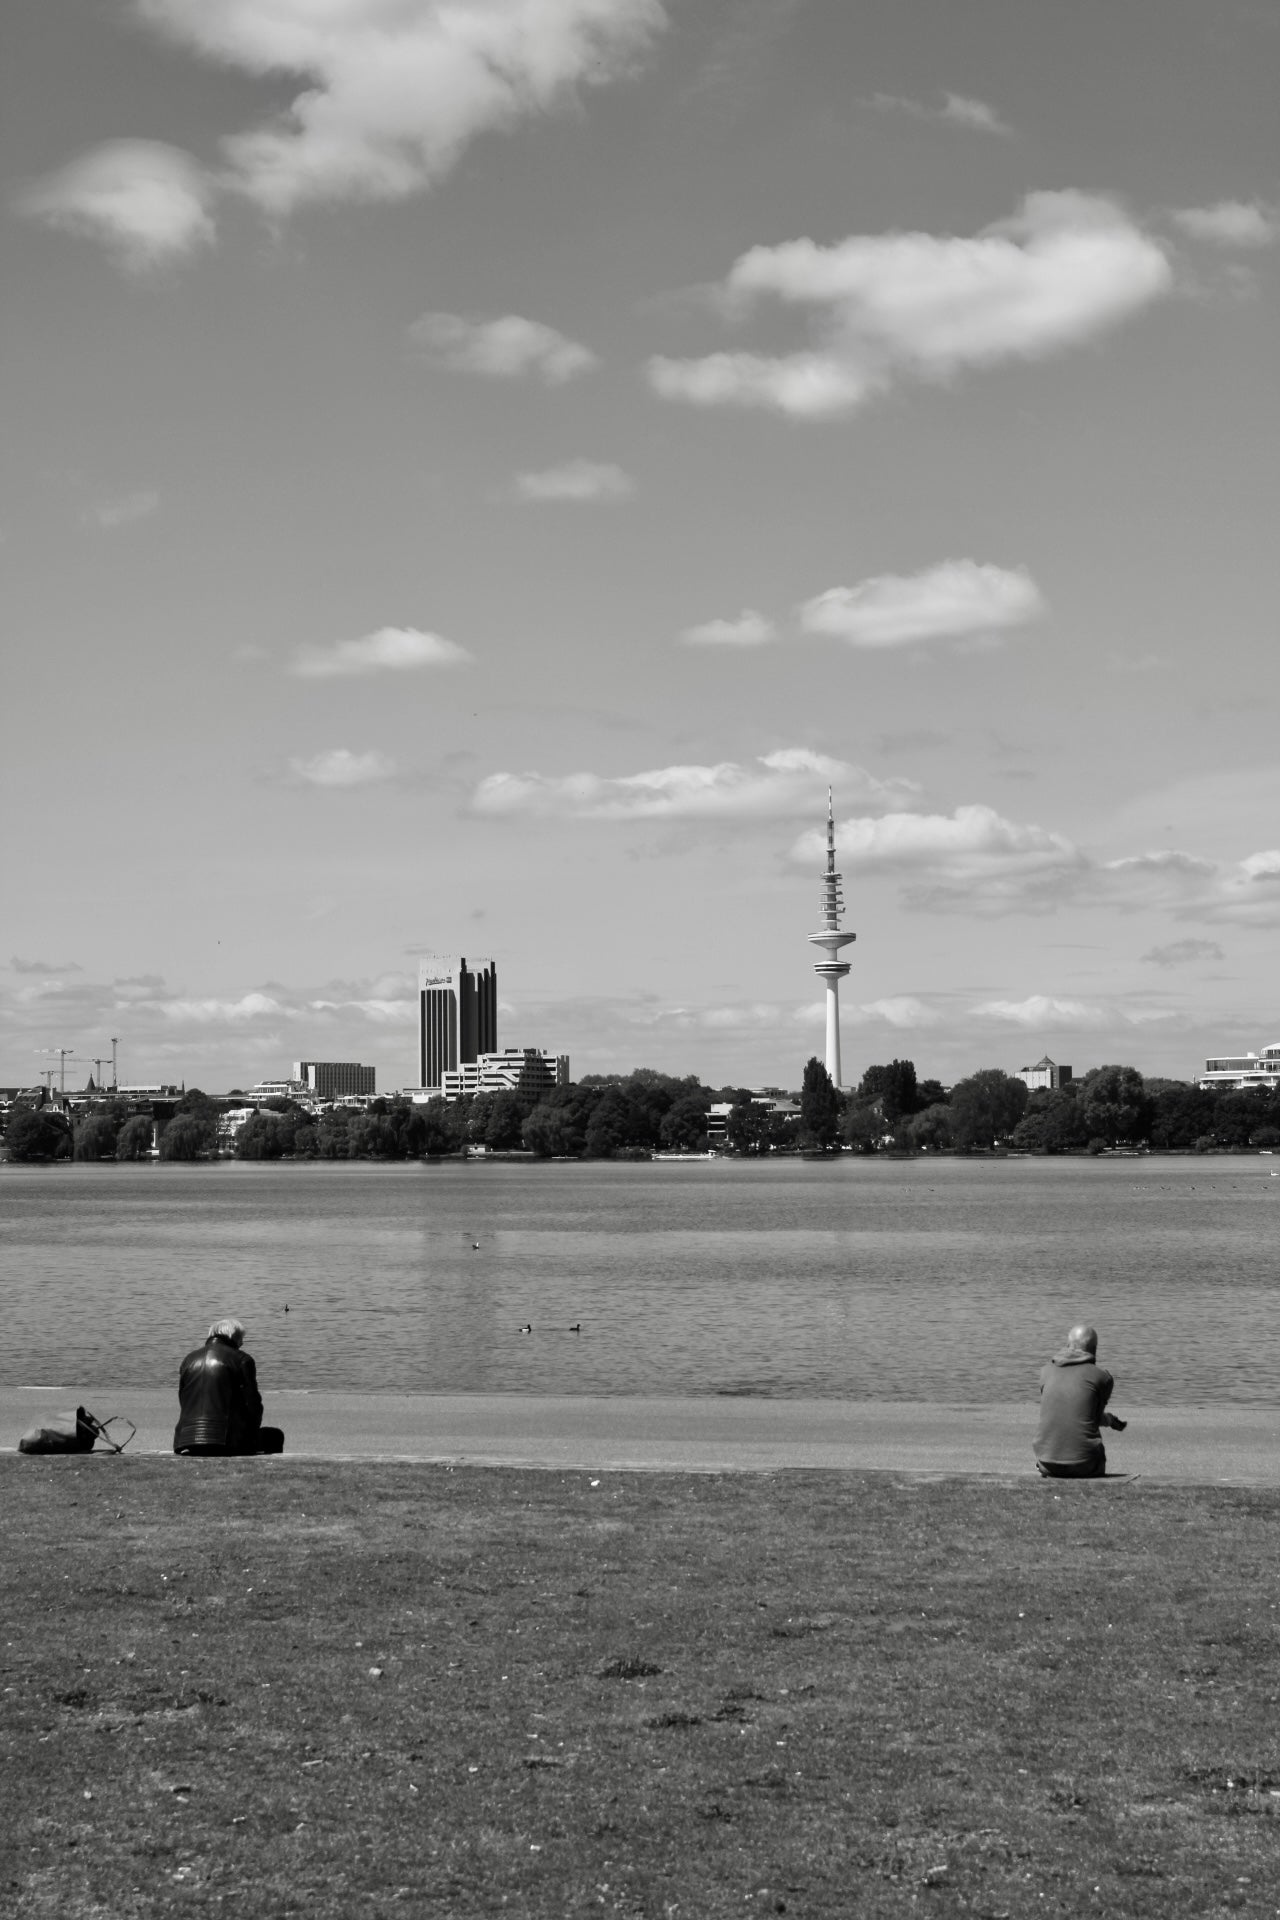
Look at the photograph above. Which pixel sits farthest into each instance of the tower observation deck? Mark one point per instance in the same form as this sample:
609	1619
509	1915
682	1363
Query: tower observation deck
832	970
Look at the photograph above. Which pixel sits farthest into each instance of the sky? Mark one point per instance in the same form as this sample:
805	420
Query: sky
476	475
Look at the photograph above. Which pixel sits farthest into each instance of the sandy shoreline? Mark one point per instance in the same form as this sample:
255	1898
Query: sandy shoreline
695	1434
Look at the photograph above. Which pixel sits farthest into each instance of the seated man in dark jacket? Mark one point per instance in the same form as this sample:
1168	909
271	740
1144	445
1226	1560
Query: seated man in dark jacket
219	1398
1074	1391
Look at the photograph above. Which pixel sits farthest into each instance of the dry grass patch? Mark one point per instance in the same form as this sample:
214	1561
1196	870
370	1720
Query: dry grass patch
288	1687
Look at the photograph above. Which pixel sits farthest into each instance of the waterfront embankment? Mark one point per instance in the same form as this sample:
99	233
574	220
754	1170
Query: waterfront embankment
697	1434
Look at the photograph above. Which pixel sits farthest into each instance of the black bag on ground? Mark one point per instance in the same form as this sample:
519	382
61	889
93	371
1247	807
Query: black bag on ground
72	1433
61	1433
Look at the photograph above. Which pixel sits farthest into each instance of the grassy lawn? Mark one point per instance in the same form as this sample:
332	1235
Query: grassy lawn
288	1687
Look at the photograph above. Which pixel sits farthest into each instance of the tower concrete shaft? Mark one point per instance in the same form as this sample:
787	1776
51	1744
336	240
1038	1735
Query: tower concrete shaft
832	970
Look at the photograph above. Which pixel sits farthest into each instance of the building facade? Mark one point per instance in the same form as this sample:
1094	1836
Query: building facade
457	1016
1045	1073
526	1068
331	1079
1243	1070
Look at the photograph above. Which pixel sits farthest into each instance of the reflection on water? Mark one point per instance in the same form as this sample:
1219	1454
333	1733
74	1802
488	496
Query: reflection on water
912	1280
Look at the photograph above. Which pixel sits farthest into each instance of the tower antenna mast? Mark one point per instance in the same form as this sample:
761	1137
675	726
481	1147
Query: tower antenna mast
832	970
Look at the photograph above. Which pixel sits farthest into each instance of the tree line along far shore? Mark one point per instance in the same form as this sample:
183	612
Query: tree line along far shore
631	1116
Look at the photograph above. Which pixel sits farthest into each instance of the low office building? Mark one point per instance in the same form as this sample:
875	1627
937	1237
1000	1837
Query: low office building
1045	1073
332	1079
1243	1070
779	1105
526	1068
261	1090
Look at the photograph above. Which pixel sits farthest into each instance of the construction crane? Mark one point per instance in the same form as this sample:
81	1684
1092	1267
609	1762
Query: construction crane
64	1054
114	1082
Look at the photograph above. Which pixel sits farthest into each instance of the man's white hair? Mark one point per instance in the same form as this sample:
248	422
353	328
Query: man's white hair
232	1330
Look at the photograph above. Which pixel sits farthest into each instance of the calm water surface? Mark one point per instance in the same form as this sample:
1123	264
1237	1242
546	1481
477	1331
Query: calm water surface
910	1280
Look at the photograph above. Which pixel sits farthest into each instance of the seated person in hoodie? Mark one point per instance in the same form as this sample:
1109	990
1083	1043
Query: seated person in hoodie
221	1408
1074	1391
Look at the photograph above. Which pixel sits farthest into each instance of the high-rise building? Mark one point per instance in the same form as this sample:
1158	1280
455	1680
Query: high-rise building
331	1079
831	970
457	1015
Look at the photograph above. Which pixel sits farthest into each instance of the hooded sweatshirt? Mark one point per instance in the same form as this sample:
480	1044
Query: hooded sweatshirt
1074	1391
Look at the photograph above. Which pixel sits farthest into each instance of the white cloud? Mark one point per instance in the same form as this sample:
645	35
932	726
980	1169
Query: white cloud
972	860
736	1017
787	784
754	1016
948	601
975	861
147	996
971	836
1066	268
809	386
342	768
968	112
379	1012
750	629
231	1030
123	509
390	649
1164	879
576	482
1164	864
902	1010
131	987
502	349
1247	894
1231	223
395	90
250	1006
385	1002
959	109
147	202
1043	1012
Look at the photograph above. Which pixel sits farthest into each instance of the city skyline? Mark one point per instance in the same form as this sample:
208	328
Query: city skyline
495	511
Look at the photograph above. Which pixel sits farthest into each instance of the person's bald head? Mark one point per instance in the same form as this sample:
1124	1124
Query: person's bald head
1086	1338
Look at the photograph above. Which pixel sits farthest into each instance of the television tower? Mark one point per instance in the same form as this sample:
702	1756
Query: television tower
831	970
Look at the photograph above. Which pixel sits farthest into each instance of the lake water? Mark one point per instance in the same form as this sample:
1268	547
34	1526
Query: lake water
918	1280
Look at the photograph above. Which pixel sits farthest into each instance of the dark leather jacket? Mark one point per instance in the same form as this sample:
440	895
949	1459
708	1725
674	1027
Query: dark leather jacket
219	1398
